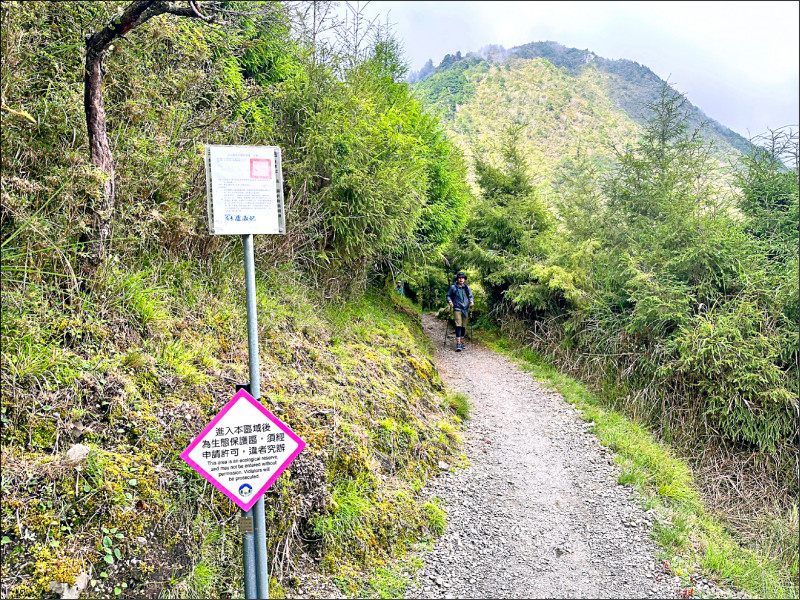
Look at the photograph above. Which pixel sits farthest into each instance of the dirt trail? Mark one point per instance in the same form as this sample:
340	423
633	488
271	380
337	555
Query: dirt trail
539	512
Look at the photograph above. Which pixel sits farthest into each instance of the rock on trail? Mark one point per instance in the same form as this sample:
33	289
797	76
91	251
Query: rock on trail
538	513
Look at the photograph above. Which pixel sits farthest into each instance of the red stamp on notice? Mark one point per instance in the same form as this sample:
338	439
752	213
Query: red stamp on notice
260	168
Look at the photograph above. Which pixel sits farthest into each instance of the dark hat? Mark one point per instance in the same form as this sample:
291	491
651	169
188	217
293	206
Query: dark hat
461	274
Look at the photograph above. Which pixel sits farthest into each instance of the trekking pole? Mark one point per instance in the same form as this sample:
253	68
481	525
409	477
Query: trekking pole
446	328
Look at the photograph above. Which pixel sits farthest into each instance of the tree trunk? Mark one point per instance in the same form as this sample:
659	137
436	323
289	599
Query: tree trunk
99	151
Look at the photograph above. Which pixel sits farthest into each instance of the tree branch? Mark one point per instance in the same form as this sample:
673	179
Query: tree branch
135	14
194	5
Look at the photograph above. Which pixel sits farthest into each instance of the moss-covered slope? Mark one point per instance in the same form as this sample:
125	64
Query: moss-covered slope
136	372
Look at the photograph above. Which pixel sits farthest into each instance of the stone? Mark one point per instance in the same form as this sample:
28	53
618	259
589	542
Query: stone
78	453
70	592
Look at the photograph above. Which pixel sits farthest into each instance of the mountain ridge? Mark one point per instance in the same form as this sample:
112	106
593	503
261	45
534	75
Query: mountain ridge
630	85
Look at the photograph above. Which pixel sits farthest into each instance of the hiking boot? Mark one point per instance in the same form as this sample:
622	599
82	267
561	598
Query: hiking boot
458	346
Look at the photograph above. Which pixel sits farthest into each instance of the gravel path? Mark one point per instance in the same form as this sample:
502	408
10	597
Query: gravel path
538	513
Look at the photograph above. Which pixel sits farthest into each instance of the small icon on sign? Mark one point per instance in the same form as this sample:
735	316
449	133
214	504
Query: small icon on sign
245	489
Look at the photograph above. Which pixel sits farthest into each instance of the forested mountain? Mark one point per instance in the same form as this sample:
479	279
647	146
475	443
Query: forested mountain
564	98
631	86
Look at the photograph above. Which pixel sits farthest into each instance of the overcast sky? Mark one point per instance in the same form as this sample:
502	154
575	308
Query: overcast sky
736	61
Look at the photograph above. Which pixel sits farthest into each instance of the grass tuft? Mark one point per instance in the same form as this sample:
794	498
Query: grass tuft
460	404
437	517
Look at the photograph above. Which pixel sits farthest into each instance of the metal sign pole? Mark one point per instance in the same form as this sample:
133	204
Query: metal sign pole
260	529
244	195
249	555
259	537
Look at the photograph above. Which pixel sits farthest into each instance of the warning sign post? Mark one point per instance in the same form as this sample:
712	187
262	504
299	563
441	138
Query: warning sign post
245	448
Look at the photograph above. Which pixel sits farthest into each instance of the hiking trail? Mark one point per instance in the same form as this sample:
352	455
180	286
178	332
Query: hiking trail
538	513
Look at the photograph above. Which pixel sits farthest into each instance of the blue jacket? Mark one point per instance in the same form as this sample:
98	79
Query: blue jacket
460	297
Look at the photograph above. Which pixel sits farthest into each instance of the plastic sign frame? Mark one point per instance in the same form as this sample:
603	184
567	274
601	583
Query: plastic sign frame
244	190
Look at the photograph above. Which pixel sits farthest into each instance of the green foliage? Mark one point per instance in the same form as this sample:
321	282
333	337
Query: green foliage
679	282
451	84
375	177
770	193
448	194
386	583
728	358
429	284
370	176
508	229
692	305
107	544
131	358
674	298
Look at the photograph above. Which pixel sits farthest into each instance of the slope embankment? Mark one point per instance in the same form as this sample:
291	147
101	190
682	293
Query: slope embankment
99	399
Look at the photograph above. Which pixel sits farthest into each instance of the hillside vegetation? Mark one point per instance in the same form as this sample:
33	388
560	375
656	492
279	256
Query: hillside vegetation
631	86
132	351
556	113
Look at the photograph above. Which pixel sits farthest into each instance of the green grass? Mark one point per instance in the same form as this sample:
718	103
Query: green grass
346	522
437	522
202	580
691	538
389	581
386	583
460	405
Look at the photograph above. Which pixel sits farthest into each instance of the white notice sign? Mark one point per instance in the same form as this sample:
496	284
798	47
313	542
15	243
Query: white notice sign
244	190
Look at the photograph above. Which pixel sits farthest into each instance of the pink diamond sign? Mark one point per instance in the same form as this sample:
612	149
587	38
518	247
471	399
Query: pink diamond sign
243	450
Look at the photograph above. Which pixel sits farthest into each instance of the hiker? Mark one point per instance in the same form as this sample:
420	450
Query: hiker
460	299
399	288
